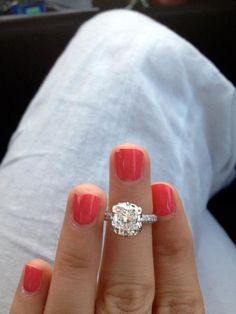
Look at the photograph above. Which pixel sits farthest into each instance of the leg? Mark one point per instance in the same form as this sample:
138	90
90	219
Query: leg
123	78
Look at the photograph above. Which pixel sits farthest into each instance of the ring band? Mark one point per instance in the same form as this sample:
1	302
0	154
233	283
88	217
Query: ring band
127	219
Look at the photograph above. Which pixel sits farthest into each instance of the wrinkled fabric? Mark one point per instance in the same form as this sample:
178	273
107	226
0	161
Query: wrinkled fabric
122	78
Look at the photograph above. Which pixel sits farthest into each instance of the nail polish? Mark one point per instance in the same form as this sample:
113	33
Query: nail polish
32	278
85	208
163	199
129	164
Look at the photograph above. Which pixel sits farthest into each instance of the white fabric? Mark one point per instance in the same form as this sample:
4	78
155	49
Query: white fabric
123	78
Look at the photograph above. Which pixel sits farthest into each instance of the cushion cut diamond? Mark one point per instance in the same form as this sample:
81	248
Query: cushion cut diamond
126	219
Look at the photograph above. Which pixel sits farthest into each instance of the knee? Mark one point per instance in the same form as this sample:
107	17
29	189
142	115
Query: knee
126	35
122	27
120	19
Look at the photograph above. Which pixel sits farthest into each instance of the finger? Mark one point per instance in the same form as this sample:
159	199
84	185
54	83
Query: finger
32	291
177	286
127	274
73	286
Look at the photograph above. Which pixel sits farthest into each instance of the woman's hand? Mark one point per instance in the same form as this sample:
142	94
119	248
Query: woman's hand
152	272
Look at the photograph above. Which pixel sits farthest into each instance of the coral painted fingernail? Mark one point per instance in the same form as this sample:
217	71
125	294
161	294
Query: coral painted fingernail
129	164
85	208
163	199
32	278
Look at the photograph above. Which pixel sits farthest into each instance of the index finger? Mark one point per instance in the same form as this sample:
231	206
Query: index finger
74	279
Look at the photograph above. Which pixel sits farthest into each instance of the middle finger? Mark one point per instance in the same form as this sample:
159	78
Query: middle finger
126	282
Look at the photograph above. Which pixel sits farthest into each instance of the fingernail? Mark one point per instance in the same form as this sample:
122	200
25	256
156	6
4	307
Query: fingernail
129	164
85	208
32	278
163	199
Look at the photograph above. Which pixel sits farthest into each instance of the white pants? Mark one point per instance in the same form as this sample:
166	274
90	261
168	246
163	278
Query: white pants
123	78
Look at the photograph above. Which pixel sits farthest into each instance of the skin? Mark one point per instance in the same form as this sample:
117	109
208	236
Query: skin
153	272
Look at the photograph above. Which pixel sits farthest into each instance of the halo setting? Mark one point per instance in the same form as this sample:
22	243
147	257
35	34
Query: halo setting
126	219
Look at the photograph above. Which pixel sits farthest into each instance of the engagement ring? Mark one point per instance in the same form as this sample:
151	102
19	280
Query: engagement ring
127	219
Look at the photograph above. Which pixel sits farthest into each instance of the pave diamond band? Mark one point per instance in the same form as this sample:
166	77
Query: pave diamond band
150	219
145	218
127	219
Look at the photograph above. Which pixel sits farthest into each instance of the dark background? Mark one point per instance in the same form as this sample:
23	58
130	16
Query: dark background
30	45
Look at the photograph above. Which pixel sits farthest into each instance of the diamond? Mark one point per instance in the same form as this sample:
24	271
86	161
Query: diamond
126	219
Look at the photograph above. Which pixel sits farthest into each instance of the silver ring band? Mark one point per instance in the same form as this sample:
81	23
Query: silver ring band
127	219
145	218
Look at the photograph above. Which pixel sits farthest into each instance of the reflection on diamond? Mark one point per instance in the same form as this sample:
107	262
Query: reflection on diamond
126	219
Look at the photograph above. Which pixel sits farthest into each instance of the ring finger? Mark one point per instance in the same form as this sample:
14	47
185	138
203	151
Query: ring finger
126	283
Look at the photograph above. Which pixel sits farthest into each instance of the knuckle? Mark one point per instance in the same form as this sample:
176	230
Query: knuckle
178	247
70	260
191	304
123	298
